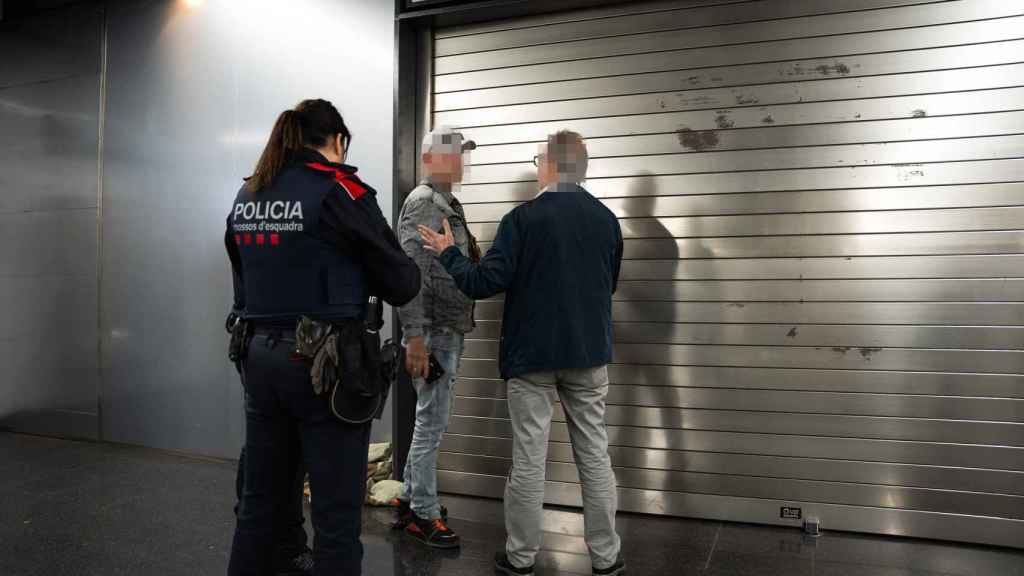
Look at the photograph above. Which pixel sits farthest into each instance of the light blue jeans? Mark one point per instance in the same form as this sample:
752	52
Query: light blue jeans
433	409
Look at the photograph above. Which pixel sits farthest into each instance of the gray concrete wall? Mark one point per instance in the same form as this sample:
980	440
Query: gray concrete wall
50	75
113	252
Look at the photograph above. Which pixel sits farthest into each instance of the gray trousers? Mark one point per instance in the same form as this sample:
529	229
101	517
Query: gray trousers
530	403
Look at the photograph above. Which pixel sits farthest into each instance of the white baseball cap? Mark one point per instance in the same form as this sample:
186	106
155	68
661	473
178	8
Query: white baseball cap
446	140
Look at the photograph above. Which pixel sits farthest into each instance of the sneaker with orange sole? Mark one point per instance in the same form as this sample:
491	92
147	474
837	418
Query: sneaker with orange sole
433	533
404	514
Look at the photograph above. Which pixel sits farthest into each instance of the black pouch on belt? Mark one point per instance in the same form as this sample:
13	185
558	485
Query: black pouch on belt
356	398
359	348
373	321
364	383
350	350
241	334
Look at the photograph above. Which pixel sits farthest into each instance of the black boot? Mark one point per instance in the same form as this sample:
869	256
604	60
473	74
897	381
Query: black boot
301	565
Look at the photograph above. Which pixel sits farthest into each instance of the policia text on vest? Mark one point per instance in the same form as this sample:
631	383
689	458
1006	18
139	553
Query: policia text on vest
279	216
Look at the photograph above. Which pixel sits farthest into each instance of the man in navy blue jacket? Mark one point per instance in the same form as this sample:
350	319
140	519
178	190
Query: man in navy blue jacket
557	260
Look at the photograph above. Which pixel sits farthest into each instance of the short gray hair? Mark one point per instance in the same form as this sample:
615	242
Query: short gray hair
569	154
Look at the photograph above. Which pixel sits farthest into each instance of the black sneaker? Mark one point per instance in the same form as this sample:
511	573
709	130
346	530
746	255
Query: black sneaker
503	566
617	569
403	514
434	533
301	565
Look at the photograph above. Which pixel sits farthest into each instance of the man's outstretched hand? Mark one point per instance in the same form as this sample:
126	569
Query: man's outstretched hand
437	243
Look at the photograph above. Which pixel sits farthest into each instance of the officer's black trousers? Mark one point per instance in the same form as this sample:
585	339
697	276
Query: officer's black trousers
279	395
294	538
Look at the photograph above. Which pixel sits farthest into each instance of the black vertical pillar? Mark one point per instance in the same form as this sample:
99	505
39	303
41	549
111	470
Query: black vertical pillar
405	154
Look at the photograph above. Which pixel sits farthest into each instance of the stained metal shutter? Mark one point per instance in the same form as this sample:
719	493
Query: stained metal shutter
822	300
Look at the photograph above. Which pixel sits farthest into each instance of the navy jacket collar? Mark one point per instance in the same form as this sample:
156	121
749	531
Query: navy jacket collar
560	187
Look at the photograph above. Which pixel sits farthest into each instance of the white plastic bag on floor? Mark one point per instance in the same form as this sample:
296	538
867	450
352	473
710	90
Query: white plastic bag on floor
383	492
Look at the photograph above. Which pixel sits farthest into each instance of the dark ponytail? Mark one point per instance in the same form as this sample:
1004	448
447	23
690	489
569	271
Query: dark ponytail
310	125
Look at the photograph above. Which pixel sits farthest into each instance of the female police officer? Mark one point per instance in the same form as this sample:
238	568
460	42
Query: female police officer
306	238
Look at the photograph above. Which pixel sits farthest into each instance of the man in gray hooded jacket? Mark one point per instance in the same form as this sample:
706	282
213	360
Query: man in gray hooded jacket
433	323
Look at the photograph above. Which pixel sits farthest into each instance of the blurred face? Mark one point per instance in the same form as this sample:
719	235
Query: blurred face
444	167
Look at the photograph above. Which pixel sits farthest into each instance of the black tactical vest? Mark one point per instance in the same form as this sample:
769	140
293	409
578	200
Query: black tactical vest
288	269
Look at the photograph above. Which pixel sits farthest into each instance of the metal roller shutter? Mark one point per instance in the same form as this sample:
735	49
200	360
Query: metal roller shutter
822	305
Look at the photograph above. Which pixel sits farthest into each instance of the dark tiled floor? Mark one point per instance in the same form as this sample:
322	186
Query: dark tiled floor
69	508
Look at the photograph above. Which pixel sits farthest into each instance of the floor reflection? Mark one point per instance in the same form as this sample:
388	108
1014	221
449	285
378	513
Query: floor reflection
73	508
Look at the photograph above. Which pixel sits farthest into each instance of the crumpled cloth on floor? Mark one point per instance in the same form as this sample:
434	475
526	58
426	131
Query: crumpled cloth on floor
379	452
380	488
